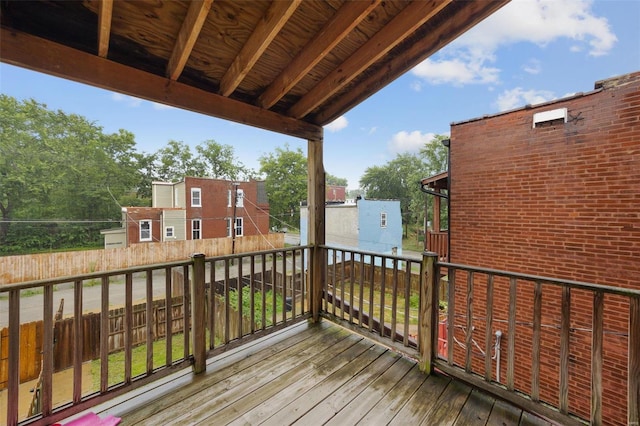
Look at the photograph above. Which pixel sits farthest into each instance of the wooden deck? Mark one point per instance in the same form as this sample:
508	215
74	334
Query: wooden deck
285	378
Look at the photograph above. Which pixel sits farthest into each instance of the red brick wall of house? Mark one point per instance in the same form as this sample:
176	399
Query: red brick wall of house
215	207
562	200
135	215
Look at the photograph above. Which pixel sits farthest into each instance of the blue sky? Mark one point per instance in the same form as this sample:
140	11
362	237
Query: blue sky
530	51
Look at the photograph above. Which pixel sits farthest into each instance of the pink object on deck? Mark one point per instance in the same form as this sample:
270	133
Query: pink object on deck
92	419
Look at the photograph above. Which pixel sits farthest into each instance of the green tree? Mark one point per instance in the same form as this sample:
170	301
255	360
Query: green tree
211	159
400	178
285	173
175	161
334	180
397	180
219	161
59	169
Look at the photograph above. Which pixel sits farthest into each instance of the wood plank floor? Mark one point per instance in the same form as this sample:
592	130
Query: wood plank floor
313	375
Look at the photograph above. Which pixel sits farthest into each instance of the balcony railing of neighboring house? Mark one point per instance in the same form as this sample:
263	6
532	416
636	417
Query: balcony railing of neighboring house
392	299
438	242
208	314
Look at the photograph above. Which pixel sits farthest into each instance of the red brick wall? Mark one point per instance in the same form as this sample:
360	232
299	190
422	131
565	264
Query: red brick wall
135	215
560	201
215	208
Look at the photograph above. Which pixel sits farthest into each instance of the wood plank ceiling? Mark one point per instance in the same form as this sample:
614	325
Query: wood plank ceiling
288	66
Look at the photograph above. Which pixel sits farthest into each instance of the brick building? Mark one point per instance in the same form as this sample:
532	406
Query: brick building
554	190
197	208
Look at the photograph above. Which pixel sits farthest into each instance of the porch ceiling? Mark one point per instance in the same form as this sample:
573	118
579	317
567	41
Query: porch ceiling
287	66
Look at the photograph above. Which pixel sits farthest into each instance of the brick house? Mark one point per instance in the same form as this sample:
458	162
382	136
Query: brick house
553	190
198	208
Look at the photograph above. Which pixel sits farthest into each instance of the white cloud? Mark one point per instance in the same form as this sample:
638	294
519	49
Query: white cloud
337	124
470	59
518	97
411	142
532	66
130	101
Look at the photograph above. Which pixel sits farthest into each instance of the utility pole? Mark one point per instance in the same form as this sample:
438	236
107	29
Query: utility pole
233	222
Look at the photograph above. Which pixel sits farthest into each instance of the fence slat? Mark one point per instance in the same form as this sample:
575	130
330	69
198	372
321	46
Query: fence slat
47	352
451	312
537	321
149	320
488	331
394	300
104	334
13	380
128	327
596	358
168	316
78	340
565	334
469	329
511	348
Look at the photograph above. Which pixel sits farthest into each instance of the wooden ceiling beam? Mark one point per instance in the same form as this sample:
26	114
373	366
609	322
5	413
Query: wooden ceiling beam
267	29
189	32
400	27
38	54
105	13
434	39
350	14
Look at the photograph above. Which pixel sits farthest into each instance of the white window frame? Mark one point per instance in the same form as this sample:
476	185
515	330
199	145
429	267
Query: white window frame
239	197
196	197
169	232
141	224
239	227
383	220
194	229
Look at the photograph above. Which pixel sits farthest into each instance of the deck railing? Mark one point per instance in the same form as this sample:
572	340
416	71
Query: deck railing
374	292
225	301
571	346
555	331
438	242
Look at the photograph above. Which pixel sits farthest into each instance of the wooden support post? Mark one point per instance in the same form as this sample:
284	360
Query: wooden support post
427	319
13	381
198	320
316	191
633	405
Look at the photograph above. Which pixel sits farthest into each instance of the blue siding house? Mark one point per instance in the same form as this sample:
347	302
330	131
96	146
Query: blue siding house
367	225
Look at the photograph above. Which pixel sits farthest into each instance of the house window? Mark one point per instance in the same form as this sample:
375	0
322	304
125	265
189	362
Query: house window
239	194
383	220
196	200
145	230
196	229
239	227
169	232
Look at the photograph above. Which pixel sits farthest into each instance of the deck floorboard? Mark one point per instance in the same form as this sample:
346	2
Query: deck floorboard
313	375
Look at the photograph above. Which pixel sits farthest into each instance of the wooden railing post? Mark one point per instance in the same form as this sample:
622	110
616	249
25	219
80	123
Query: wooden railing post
316	234
427	320
13	381
198	320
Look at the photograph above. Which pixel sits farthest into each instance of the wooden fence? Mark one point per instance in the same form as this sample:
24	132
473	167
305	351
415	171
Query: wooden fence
31	334
16	269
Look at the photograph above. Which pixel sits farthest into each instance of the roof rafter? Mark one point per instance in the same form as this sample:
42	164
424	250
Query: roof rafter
38	54
435	38
189	32
341	24
267	29
403	25
105	12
